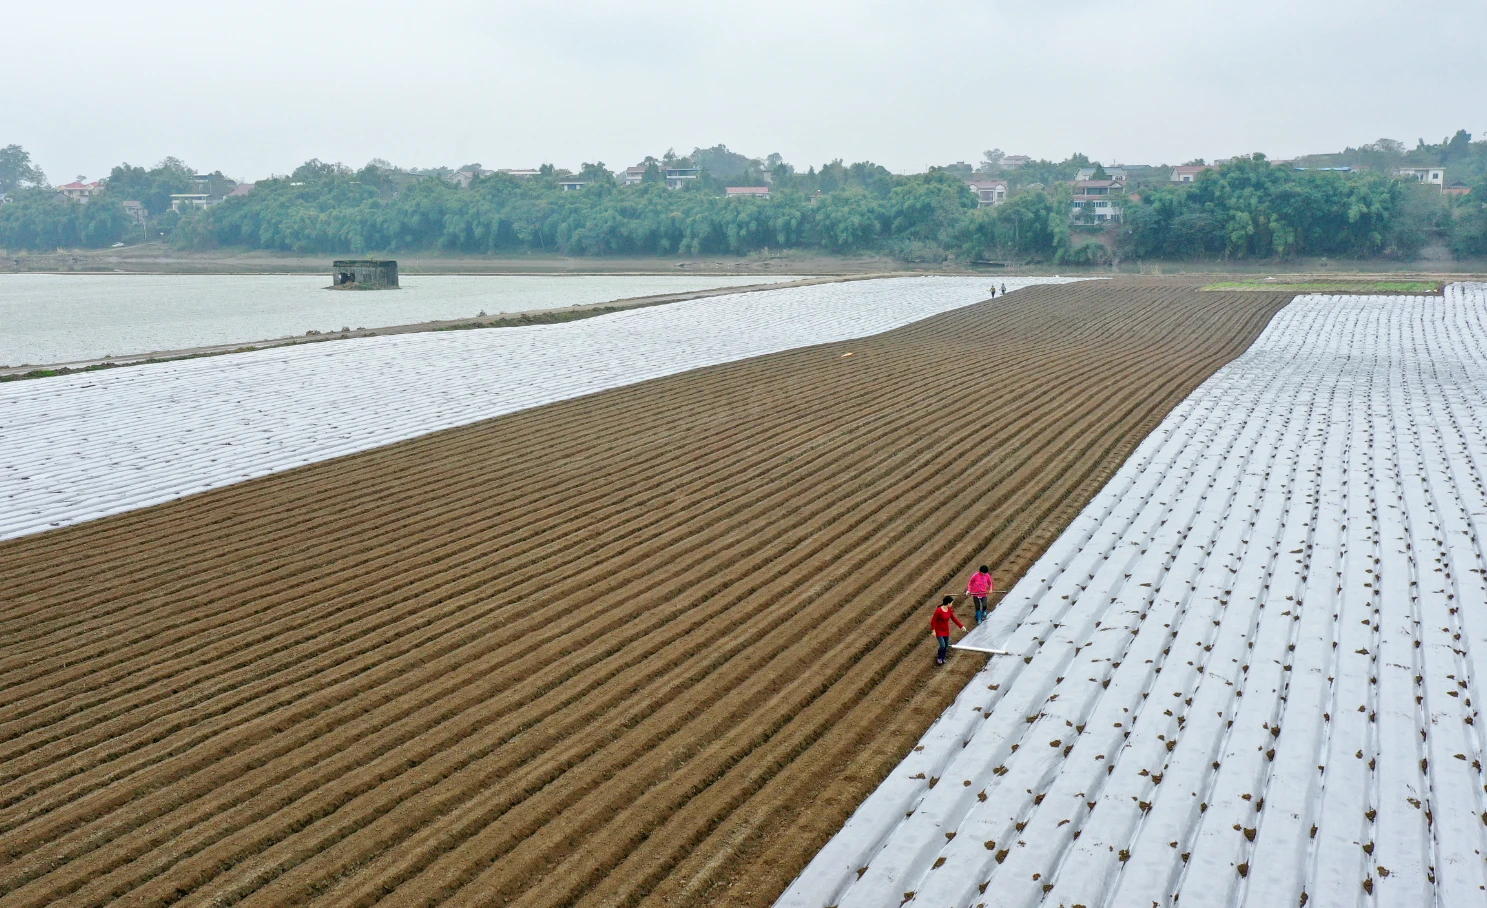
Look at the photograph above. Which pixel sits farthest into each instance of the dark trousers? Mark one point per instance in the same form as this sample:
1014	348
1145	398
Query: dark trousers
944	647
980	608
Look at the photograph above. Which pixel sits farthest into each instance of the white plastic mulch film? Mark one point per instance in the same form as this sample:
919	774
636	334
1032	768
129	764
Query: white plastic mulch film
88	445
1249	672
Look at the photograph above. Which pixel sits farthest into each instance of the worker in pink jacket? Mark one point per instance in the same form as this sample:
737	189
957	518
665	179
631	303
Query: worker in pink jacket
939	622
980	589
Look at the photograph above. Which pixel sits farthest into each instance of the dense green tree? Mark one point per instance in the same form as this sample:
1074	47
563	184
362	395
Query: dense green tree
991	161
929	206
596	173
17	171
38	218
722	163
1046	173
849	220
1464	159
317	171
1252	209
1469	229
153	187
1246	209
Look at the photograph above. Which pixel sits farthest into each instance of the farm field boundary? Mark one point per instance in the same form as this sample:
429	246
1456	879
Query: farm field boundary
1343	285
1246	674
647	646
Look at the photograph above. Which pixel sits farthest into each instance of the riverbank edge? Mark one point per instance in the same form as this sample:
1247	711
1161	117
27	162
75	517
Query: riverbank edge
501	320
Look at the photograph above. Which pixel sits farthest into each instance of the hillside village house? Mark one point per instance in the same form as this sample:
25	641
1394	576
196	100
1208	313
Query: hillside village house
572	184
1014	161
677	177
1187	173
1434	176
214	185
521	173
1457	188
747	192
1114	173
181	201
135	210
80	192
989	193
1098	200
241	189
463	178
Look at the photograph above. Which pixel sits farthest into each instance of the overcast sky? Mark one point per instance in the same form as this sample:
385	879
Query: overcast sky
254	89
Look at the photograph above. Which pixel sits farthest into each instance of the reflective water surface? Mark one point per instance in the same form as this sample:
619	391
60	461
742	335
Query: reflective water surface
55	318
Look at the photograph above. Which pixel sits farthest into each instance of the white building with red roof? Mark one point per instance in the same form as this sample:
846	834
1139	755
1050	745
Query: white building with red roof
79	191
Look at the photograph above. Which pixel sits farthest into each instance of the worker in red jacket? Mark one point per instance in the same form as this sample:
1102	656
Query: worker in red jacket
980	589
939	622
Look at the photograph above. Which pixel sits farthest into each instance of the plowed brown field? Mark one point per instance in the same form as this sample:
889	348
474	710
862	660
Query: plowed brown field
650	646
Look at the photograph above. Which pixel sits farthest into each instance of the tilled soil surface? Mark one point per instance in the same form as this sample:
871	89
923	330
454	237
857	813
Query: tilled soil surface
650	646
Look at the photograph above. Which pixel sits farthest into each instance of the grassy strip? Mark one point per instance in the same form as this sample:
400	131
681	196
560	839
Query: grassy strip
95	367
1344	286
536	318
542	318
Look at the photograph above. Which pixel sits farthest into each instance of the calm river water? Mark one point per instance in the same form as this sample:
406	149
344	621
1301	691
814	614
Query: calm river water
55	318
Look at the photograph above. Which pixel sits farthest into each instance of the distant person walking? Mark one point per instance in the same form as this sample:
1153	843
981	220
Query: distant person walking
980	589
939	622
1004	290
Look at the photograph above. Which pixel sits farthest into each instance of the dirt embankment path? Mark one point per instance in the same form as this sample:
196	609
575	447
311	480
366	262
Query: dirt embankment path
499	320
646	647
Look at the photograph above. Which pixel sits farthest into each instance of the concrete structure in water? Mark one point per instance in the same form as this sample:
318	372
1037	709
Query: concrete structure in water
364	274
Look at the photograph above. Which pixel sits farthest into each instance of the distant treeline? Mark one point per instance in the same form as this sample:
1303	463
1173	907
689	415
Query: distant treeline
40	220
1247	209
